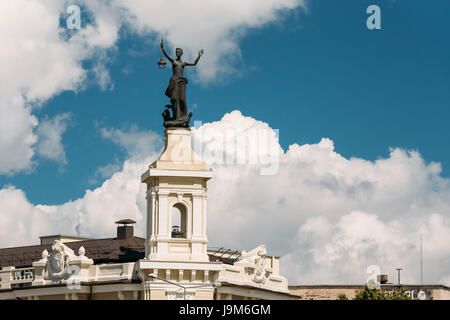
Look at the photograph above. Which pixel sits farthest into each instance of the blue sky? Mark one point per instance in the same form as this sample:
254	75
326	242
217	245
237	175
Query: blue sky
311	75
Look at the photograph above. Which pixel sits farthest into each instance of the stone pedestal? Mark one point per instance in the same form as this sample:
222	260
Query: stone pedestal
176	194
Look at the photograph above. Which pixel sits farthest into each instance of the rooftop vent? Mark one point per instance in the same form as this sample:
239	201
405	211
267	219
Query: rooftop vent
125	229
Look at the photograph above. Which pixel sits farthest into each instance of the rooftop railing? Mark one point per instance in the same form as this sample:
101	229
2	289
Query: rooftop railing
11	277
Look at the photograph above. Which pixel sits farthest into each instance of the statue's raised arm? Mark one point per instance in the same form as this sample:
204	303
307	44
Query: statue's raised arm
189	64
164	52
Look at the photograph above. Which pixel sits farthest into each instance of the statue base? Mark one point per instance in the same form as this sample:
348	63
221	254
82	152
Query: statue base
170	122
178	153
176	124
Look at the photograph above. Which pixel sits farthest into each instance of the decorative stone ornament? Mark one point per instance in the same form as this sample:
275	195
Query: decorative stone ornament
57	261
259	275
44	255
255	269
57	264
255	264
81	252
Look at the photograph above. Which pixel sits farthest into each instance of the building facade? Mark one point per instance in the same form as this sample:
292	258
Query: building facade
172	262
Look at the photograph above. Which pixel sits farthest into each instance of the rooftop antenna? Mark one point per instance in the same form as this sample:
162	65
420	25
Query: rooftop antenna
398	275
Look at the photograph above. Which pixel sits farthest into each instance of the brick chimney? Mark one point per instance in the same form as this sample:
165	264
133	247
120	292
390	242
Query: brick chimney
125	229
382	278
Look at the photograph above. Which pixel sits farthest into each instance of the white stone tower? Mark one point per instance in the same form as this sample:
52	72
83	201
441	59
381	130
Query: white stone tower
176	202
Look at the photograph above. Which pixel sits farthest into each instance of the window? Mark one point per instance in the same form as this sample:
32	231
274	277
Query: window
179	219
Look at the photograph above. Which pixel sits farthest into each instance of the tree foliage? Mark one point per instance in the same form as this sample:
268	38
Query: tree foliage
342	296
373	293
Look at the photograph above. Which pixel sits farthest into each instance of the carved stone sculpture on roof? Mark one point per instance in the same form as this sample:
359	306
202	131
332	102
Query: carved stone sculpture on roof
57	262
255	263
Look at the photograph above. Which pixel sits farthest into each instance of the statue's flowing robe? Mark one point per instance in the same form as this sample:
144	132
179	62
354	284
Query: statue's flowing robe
176	91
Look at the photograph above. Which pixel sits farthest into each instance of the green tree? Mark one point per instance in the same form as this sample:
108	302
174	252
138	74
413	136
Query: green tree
341	296
373	293
399	295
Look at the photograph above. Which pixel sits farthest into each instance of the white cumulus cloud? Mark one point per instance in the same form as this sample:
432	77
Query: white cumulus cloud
216	26
135	142
50	137
327	216
38	62
39	59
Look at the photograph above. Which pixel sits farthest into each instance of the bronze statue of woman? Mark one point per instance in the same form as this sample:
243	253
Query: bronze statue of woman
176	90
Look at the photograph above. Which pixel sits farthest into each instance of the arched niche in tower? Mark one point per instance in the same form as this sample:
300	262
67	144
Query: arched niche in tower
178	217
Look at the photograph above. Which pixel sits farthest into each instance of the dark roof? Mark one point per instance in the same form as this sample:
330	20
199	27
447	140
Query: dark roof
111	250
